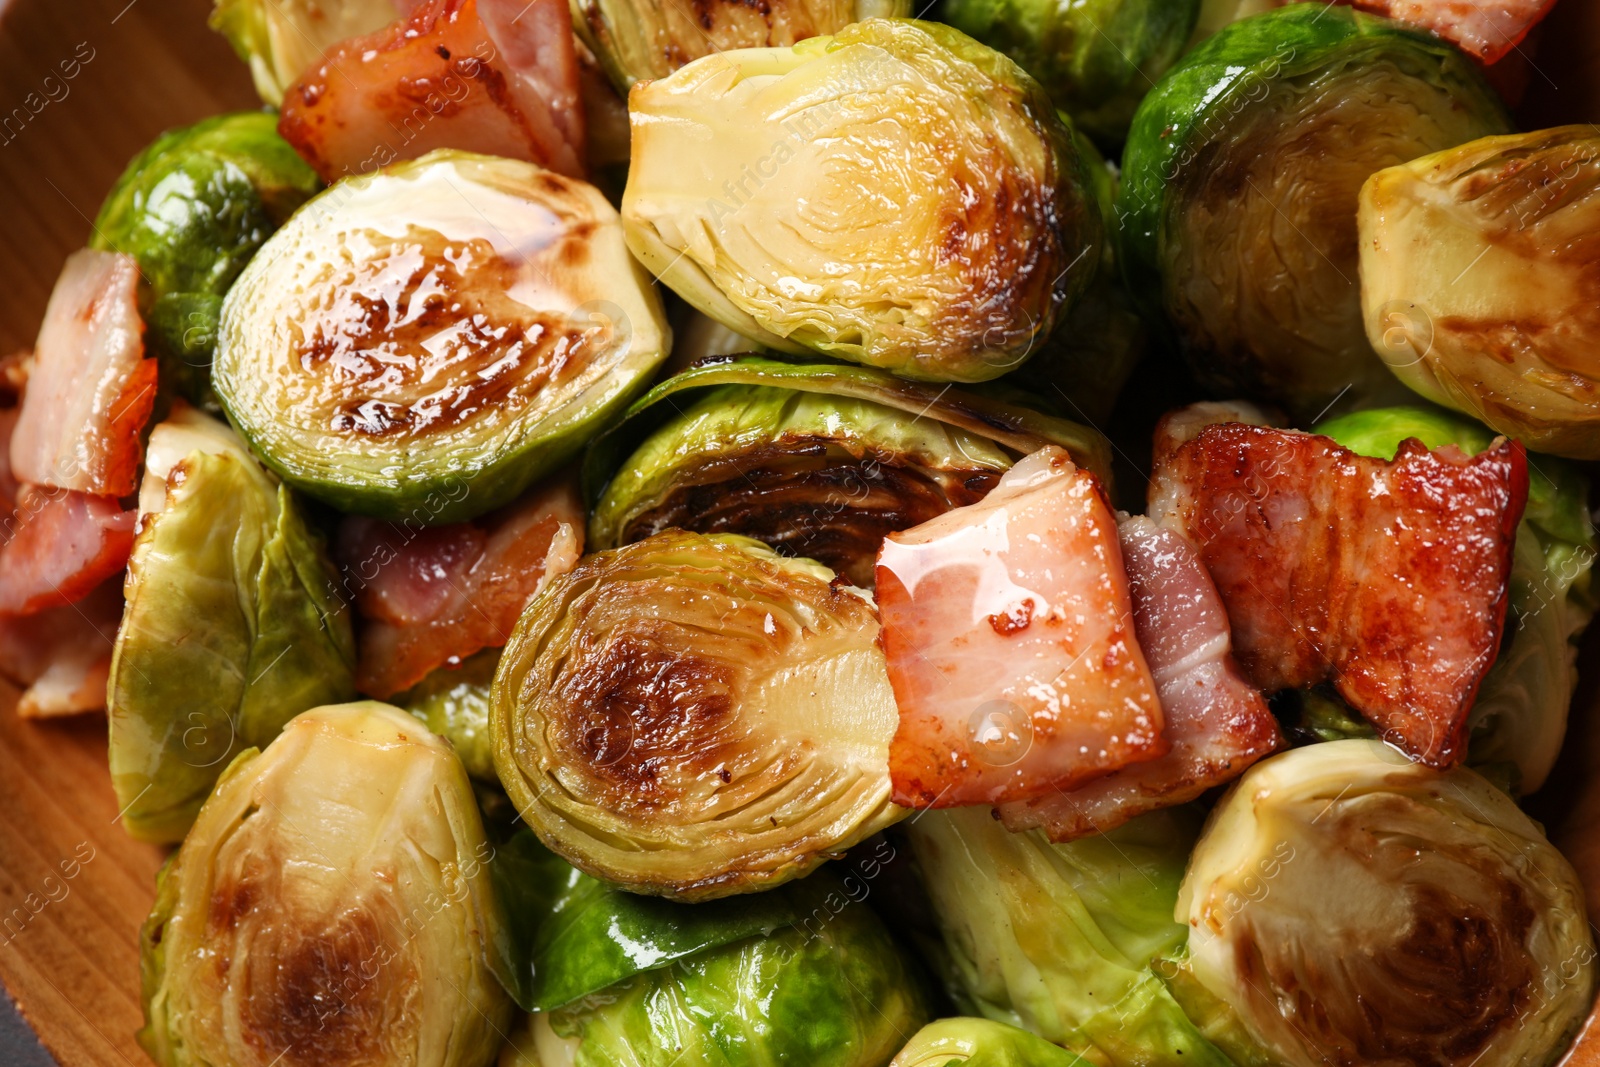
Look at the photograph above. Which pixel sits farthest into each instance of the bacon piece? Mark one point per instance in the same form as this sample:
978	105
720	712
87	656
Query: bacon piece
58	545
61	657
434	595
91	390
1216	722
1009	636
505	84
1487	29
1390	578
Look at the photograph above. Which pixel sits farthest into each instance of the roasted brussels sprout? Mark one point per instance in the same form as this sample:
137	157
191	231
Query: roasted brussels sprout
281	38
233	625
193	208
831	990
332	905
1096	58
694	716
980	1043
896	195
637	40
1057	939
1346	905
454	703
1478	282
1520	715
392	348
817	461
1240	181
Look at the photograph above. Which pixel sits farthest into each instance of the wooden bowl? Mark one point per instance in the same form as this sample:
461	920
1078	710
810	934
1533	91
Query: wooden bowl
95	81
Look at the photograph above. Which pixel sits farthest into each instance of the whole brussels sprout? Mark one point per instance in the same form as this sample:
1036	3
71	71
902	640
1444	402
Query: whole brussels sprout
980	1043
233	625
693	717
818	461
637	40
1478	286
332	906
1096	58
1346	905
896	195
454	703
1519	718
1057	939
280	39
437	336
193	208
832	990
1239	187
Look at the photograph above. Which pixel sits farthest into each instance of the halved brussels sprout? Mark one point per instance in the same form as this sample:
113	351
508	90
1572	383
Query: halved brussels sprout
637	40
280	39
233	625
1519	718
441	333
1057	939
896	195
193	208
693	717
1240	182
980	1043
1478	283
1346	905
832	990
454	703
332	906
1096	58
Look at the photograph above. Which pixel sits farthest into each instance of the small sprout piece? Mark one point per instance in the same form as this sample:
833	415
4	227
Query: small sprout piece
280	39
969	1042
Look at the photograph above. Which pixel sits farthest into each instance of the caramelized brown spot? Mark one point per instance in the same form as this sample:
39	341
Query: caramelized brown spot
1014	620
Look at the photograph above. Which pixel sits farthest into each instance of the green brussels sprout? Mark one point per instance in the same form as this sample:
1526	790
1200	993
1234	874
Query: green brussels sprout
193	208
1058	939
1346	905
980	1043
1477	282
896	195
1096	58
280	39
1519	718
1240	180
694	717
332	905
233	625
830	991
818	461
532	324
638	40
454	703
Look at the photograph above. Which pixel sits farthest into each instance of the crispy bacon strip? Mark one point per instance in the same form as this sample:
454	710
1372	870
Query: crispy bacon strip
91	389
58	545
1217	722
434	595
1390	578
61	657
1009	636
505	83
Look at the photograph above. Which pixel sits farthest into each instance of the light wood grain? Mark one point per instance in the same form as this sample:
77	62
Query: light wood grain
73	966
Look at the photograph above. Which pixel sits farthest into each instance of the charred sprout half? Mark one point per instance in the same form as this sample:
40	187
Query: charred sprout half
1478	282
233	625
817	461
1519	717
1346	905
332	906
1096	59
896	195
441	334
1240	181
693	716
1057	939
